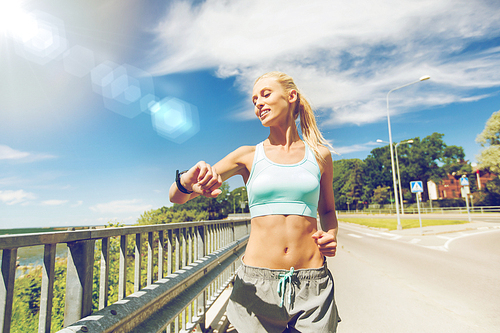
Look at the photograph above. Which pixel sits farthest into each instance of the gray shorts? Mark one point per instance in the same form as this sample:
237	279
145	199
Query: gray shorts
307	299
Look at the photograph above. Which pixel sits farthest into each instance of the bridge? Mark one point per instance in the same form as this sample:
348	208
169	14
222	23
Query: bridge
187	267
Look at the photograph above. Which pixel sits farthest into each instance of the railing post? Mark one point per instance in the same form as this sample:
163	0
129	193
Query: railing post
190	245
138	261
79	281
47	292
9	257
122	278
177	250
150	259
200	243
161	260
184	247
170	248
104	275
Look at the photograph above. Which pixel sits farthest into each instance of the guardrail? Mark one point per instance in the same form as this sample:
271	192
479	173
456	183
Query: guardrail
426	210
196	261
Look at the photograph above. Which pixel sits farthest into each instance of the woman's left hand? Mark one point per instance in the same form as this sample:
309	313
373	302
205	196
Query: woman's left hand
327	243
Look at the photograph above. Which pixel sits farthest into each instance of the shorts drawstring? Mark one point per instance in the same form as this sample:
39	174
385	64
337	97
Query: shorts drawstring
284	278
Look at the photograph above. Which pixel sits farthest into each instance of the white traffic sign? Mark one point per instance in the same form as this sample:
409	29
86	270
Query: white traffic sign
464	181
416	186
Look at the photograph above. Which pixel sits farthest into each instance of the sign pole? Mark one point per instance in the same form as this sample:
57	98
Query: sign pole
464	181
419	217
467	203
417	187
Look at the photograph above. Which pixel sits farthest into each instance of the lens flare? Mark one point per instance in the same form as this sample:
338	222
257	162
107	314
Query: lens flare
175	119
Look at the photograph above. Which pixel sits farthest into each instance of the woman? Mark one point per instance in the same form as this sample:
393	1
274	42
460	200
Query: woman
283	284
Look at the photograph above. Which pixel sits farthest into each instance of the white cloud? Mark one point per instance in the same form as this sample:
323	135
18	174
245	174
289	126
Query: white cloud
357	147
345	55
8	153
122	206
15	197
78	203
54	202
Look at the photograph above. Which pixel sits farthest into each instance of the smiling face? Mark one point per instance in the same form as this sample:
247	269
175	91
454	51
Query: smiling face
273	104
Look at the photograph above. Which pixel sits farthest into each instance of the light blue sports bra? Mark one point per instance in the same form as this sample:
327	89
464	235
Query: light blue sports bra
283	189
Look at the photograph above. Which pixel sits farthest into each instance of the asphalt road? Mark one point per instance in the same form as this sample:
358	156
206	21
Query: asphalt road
401	281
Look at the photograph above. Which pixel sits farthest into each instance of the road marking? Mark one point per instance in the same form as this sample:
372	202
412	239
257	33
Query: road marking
393	237
372	235
483	228
355	236
444	237
415	240
447	244
439	248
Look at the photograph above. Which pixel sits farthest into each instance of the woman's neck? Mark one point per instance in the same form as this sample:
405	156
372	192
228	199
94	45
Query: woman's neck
284	136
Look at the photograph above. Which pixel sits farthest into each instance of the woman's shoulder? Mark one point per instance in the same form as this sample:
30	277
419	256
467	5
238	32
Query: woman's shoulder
243	154
244	150
325	152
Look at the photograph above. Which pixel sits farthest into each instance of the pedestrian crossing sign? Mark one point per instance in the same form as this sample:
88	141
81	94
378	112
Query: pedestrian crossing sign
464	181
416	186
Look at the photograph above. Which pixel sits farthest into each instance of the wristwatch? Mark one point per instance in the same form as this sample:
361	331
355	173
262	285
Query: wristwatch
178	182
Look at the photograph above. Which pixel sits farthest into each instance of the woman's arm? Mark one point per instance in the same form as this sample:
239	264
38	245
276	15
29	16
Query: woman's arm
327	237
204	179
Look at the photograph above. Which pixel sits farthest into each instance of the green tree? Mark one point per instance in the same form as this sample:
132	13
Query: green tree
381	194
378	168
236	198
426	159
489	138
348	183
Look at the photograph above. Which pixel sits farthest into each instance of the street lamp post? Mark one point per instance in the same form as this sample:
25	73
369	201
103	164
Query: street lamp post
423	78
399	175
397	167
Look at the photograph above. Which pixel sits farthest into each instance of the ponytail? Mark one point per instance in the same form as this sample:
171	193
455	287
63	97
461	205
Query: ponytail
310	131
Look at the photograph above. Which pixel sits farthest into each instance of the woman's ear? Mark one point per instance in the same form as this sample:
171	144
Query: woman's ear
292	96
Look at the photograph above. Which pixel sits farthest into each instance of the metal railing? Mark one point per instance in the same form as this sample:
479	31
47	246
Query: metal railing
193	264
426	210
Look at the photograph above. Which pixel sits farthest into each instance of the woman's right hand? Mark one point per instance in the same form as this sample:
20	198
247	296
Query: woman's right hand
202	179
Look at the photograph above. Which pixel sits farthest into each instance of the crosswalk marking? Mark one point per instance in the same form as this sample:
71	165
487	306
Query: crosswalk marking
372	235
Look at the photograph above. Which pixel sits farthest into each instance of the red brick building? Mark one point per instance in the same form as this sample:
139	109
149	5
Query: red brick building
450	188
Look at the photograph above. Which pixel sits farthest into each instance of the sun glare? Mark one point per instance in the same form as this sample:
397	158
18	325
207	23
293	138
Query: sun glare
16	22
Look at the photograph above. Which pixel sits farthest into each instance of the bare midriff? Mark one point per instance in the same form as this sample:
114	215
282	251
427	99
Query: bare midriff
282	242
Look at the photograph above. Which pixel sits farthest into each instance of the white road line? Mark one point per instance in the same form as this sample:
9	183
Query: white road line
355	236
393	237
483	228
444	237
415	240
447	244
439	248
372	235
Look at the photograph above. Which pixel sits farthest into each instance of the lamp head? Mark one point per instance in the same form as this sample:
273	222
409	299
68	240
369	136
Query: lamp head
423	78
409	141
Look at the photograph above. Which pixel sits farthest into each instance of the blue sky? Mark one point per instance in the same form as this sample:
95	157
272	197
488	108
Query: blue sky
101	101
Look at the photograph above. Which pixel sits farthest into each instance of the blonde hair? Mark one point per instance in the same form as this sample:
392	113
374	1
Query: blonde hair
310	131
